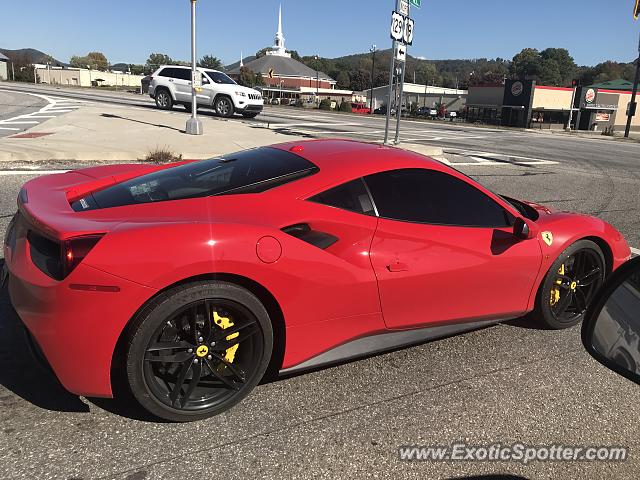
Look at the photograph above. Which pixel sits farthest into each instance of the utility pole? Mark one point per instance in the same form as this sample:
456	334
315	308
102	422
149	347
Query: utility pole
194	125
373	67
317	82
573	101
632	103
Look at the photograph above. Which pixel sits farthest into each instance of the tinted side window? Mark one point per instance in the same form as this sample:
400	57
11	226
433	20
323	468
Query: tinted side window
427	196
181	73
352	196
166	72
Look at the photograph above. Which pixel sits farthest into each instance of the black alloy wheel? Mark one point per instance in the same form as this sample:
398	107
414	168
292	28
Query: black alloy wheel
199	352
571	284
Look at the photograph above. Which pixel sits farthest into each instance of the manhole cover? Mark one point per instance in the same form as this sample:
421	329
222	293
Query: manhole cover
30	135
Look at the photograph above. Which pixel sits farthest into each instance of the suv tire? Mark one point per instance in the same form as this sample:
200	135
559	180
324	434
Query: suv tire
223	106
164	100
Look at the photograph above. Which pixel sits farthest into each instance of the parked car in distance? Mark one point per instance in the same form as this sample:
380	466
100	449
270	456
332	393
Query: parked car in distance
358	107
171	84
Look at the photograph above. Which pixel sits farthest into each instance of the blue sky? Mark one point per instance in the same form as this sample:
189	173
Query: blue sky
128	30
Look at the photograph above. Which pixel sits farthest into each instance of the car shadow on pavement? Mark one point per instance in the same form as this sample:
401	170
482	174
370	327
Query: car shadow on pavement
22	373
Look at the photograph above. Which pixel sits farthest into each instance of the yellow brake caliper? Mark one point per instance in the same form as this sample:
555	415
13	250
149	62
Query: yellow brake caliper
555	291
224	323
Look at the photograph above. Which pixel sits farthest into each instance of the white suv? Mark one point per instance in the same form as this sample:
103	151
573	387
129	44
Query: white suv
171	84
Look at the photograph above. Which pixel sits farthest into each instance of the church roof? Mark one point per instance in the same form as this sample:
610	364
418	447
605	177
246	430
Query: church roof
282	66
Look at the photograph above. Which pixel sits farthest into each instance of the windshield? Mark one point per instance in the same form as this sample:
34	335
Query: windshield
251	171
219	77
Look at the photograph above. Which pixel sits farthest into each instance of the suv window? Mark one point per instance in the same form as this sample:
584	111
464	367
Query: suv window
179	73
352	196
219	77
251	171
428	196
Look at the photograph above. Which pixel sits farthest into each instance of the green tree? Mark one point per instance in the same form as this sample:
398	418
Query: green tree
359	81
259	80
209	61
343	79
558	67
527	64
155	60
136	69
246	77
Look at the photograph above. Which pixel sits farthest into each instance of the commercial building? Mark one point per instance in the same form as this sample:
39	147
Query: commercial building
287	78
525	104
4	67
416	95
83	77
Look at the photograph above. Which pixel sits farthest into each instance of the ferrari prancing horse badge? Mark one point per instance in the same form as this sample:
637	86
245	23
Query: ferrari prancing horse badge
547	237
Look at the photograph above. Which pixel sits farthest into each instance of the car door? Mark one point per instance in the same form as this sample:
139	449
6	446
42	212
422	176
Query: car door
444	251
182	84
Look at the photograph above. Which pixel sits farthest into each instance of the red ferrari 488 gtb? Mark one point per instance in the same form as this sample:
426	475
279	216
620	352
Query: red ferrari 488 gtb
191	280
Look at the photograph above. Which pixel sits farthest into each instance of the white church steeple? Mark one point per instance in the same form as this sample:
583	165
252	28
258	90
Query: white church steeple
278	47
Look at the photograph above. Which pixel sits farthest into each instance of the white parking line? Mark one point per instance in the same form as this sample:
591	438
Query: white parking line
5	122
9	128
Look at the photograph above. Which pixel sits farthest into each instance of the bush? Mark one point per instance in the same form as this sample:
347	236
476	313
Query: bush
299	102
609	131
345	107
162	155
325	104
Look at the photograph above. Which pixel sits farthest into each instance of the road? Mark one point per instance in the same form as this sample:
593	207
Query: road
510	383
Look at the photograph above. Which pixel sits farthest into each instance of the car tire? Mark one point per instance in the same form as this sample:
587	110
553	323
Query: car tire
163	99
181	365
250	114
223	106
570	285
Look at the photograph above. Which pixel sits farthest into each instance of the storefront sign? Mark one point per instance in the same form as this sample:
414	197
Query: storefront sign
603	117
517	89
590	95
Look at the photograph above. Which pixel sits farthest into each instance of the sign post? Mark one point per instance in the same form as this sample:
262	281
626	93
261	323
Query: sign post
632	103
402	36
194	125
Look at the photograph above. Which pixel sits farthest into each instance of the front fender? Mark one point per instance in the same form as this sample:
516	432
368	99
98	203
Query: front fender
567	228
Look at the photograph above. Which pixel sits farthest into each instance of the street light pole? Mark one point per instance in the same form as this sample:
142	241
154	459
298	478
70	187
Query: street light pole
632	103
373	67
194	125
317	82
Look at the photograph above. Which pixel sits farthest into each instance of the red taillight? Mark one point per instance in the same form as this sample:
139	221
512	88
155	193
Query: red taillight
75	249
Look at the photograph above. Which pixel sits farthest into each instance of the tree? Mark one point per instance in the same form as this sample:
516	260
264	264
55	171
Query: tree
209	61
527	64
259	81
93	60
136	69
561	65
359	81
343	79
247	77
262	52
155	60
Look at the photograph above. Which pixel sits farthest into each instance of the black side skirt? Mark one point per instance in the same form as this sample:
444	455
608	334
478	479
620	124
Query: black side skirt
382	342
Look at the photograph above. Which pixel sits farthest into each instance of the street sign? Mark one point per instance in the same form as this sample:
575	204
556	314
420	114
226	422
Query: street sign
415	3
408	31
270	73
636	10
401	53
196	79
404	7
397	26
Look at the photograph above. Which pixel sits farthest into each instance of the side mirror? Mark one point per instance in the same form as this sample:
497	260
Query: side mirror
611	329
523	229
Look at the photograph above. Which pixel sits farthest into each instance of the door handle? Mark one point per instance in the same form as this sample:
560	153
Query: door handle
398	267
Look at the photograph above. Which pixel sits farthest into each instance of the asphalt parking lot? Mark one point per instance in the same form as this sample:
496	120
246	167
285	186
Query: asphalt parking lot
505	384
